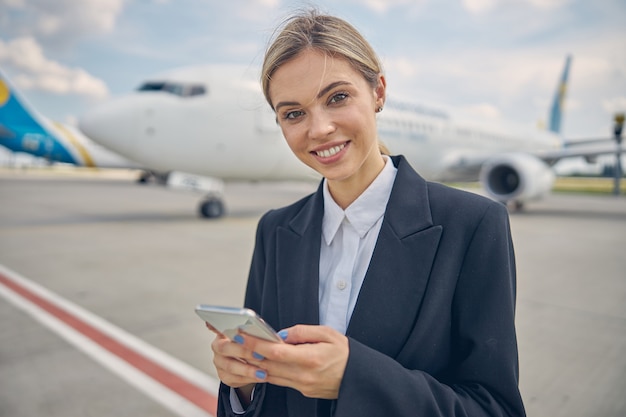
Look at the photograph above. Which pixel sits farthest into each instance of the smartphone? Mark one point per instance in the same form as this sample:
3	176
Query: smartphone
228	321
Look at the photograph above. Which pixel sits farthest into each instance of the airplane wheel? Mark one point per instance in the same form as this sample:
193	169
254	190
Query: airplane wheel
144	177
212	208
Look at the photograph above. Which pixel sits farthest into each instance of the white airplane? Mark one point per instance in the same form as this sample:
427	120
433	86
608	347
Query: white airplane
23	129
213	121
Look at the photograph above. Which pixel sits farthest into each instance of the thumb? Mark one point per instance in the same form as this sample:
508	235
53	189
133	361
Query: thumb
303	333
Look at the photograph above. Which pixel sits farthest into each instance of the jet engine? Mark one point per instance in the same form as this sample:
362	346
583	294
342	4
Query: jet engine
516	177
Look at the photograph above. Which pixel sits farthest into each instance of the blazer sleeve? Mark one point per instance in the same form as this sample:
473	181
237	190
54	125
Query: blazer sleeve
253	301
482	379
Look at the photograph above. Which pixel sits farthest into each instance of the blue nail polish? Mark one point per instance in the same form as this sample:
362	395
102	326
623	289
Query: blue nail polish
238	339
258	356
283	334
260	374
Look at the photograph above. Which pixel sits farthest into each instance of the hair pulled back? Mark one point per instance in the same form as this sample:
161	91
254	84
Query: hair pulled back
328	34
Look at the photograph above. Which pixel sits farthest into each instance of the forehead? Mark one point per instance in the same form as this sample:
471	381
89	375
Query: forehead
308	73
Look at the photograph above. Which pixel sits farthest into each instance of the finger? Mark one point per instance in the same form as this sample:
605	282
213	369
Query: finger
223	346
235	349
255	348
313	362
309	334
300	351
316	370
213	329
236	373
232	362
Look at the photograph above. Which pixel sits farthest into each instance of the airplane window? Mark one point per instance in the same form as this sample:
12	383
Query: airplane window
197	90
151	86
178	89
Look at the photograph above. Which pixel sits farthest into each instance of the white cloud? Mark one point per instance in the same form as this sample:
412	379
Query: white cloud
548	4
60	21
13	3
36	72
256	10
382	6
402	66
270	3
483	84
478	6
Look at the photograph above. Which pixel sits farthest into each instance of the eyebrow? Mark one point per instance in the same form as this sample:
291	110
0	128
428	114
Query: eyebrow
321	93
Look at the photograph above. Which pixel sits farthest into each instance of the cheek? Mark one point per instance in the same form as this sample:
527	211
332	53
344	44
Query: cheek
293	137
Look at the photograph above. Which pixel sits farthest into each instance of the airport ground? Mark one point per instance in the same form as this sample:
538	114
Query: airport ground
139	258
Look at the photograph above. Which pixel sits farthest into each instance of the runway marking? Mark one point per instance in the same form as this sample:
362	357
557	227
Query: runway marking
179	387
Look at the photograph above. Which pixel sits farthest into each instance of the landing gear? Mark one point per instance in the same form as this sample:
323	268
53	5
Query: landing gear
515	205
212	208
144	177
158	177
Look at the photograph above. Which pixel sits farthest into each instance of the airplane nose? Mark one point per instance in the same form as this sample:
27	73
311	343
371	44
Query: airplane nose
113	125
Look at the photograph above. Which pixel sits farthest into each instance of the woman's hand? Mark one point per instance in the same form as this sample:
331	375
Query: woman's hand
312	361
232	362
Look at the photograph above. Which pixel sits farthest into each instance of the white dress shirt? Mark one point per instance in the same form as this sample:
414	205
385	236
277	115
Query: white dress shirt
348	240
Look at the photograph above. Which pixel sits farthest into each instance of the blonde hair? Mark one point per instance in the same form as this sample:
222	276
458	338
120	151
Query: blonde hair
328	34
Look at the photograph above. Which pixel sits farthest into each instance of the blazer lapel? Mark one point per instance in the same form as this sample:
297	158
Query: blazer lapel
298	281
298	271
391	294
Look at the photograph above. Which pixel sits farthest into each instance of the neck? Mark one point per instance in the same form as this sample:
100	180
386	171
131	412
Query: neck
346	191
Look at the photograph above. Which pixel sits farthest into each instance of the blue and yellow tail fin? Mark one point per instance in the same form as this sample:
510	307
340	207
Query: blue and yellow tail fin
22	129
556	110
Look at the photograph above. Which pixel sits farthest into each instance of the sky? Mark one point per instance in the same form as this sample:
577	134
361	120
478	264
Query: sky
484	59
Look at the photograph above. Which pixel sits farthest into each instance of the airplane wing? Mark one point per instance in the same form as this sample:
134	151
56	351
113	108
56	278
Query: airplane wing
468	167
587	141
586	150
519	176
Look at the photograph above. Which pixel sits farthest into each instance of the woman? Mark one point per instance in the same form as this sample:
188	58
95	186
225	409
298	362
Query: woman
396	296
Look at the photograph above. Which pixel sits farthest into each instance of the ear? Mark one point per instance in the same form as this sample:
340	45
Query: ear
380	91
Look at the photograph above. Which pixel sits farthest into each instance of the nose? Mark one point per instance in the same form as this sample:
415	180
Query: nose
113	125
321	124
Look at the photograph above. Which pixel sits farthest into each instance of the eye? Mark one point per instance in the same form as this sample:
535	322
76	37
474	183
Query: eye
339	97
292	115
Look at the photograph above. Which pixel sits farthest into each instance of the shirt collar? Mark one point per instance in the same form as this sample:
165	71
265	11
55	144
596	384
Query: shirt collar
365	211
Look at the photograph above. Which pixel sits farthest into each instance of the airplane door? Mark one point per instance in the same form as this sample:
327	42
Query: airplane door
147	125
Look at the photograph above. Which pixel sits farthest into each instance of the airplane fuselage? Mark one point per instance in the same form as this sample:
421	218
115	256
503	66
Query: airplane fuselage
229	131
214	121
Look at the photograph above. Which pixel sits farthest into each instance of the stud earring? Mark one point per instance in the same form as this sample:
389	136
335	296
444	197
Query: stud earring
379	109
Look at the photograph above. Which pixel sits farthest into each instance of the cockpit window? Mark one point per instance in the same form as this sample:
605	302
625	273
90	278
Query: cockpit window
179	89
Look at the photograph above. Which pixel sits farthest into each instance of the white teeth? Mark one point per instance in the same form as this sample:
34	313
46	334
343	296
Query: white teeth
330	152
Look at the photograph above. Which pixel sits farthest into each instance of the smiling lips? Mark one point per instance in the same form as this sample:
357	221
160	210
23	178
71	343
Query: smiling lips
330	152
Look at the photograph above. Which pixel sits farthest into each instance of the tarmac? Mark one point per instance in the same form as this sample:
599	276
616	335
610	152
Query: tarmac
125	264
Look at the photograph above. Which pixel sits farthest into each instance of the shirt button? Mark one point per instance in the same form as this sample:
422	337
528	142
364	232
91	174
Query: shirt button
341	284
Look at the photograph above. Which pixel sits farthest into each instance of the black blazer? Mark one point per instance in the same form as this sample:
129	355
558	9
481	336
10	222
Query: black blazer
432	333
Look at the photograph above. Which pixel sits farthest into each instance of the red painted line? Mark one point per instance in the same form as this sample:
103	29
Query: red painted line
194	394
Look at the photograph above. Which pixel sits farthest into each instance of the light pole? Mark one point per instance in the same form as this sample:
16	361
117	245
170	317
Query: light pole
619	124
